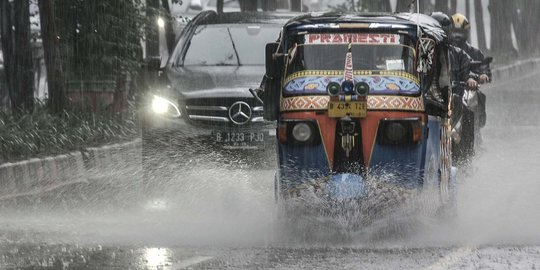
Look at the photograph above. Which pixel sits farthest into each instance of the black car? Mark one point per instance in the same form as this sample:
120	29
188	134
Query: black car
204	105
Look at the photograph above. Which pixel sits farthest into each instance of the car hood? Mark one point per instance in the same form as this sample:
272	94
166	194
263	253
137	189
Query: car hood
215	81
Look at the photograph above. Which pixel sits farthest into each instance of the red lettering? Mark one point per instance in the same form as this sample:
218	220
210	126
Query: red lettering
337	39
326	38
347	38
354	38
313	37
393	39
374	38
362	38
384	38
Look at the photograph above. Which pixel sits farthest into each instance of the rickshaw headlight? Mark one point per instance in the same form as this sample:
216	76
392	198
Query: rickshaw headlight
302	132
395	132
347	87
361	88
400	131
333	89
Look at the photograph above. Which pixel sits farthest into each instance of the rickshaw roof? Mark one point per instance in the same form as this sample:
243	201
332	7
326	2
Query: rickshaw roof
385	21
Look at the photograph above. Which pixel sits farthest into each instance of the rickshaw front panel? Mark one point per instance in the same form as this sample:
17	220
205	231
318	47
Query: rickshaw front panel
372	69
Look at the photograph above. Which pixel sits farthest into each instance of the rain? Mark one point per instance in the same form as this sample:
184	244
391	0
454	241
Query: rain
269	134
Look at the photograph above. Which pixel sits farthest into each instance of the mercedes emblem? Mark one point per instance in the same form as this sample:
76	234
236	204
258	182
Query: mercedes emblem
240	113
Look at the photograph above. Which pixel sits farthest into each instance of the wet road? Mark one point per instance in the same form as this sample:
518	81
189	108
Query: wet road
224	218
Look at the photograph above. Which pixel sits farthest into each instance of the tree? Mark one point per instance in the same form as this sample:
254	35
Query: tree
442	6
55	74
375	6
480	29
15	31
423	5
453	7
248	5
501	41
152	36
403	6
169	31
527	32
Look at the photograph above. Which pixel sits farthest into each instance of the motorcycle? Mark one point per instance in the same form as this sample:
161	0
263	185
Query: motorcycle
469	118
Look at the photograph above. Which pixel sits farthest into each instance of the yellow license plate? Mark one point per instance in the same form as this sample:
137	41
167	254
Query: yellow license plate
354	109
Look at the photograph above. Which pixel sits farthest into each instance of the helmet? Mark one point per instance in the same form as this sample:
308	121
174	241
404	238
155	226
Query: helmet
442	18
460	22
460	29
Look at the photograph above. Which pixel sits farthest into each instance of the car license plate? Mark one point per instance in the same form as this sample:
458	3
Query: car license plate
355	109
246	140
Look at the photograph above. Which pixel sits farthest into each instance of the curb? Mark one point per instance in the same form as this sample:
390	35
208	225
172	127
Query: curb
516	68
121	160
35	176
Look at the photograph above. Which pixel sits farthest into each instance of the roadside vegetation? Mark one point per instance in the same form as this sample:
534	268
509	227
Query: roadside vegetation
40	133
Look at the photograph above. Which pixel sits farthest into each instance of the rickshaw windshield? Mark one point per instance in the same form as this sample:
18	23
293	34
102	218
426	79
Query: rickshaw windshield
375	52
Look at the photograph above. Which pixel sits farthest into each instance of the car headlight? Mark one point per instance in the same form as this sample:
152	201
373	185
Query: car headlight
164	106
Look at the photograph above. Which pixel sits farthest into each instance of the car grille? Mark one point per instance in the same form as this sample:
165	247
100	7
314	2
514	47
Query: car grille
216	112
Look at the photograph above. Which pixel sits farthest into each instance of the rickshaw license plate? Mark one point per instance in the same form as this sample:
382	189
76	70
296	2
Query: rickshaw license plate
240	139
355	109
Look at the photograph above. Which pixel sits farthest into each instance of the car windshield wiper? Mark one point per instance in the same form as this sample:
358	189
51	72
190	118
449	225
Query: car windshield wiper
234	46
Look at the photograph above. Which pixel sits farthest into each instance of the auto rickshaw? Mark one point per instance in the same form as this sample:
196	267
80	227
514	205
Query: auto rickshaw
348	92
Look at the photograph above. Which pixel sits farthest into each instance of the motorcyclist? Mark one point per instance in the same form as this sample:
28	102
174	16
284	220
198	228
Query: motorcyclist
459	62
458	35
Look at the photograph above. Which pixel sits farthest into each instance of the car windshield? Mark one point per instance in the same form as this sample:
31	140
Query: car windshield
230	45
369	52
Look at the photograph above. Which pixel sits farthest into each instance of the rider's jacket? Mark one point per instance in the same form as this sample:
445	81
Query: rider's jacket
460	63
476	55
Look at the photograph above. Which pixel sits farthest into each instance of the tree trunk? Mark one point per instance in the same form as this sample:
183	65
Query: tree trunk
248	5
453	7
442	6
296	5
501	40
403	6
152	37
24	72
480	29
468	10
169	31
423	5
55	75
529	34
6	31
15	31
219	6
269	5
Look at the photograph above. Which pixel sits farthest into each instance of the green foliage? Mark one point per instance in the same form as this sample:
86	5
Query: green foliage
100	38
42	134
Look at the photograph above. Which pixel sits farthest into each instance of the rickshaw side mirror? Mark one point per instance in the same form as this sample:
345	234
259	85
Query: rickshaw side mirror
272	82
272	62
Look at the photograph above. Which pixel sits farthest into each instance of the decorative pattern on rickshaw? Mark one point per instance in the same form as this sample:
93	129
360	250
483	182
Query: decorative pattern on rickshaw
307	73
307	103
379	82
426	48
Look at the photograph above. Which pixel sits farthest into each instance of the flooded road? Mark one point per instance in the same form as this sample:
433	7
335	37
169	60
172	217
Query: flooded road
224	218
